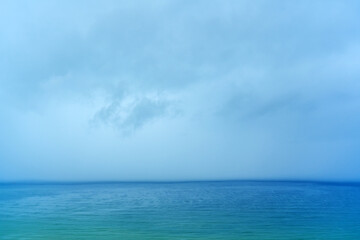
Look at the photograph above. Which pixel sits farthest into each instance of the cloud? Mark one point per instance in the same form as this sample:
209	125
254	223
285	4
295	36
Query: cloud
133	112
179	89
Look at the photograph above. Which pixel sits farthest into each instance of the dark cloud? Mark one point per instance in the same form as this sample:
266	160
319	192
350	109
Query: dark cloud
127	115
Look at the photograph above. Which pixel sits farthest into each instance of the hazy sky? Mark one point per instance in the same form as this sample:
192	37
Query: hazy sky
179	90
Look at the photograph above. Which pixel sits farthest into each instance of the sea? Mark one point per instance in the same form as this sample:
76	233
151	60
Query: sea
180	210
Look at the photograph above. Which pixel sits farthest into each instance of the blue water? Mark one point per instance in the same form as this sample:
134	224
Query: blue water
196	210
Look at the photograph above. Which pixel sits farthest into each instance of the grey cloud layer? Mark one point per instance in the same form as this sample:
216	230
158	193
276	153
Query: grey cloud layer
179	89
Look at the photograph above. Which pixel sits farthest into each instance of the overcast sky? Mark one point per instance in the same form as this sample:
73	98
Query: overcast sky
179	90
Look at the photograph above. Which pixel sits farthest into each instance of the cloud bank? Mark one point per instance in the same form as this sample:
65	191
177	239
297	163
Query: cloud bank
179	90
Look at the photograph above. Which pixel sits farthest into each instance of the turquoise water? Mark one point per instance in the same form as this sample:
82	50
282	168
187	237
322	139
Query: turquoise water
196	210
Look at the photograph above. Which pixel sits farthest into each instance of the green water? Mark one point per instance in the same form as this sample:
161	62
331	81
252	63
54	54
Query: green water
197	210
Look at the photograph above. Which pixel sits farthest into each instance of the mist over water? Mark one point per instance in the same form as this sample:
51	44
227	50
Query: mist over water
192	210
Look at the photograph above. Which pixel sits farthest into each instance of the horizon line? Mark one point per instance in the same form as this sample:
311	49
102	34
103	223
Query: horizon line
69	182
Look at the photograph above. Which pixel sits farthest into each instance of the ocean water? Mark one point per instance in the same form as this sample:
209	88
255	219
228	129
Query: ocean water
193	210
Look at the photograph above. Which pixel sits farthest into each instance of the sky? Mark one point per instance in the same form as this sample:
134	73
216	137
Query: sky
179	90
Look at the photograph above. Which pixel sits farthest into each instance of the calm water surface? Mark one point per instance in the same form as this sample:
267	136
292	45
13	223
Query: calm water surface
197	210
